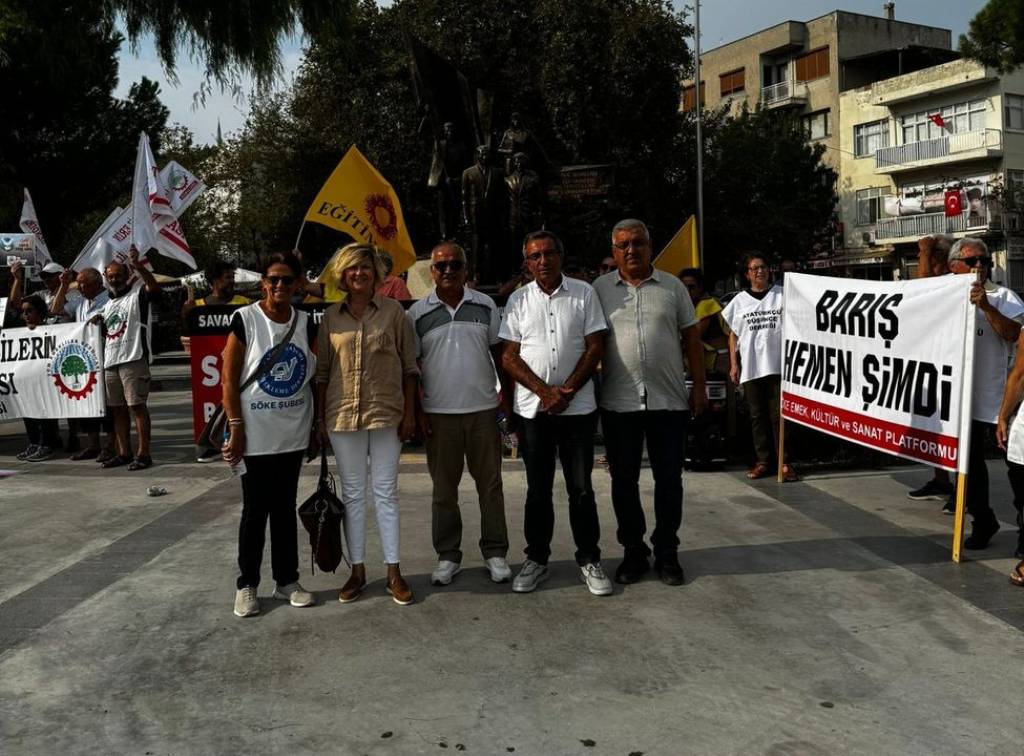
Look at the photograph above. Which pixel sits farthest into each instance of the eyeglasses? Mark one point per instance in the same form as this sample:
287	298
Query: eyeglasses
443	266
625	246
974	262
283	280
756	268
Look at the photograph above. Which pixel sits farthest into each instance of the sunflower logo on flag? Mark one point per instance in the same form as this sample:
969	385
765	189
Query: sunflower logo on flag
382	215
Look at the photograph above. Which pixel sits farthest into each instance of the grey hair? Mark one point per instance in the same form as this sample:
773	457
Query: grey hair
450	245
628	225
943	243
91	274
967	241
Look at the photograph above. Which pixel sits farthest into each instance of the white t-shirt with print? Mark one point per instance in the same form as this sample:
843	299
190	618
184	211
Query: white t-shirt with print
757	324
992	354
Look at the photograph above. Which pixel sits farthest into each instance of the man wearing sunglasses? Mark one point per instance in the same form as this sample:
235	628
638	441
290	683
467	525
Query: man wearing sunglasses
458	347
998	314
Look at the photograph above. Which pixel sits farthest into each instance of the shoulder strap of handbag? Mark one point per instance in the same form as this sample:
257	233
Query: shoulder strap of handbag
272	357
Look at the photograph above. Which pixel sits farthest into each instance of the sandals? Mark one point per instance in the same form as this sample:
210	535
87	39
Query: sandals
141	463
758	471
1017	576
789	474
116	461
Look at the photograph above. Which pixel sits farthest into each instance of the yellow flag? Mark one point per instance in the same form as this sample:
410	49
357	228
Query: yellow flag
682	251
358	201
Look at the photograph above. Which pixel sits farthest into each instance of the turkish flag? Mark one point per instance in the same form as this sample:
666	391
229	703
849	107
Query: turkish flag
954	203
937	119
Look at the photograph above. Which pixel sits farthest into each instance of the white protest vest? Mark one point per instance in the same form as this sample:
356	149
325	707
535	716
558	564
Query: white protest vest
278	406
125	330
757	324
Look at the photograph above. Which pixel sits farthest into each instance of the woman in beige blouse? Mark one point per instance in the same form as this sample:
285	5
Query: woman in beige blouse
366	381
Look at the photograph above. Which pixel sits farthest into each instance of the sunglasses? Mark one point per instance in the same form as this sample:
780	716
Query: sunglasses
443	266
283	280
974	262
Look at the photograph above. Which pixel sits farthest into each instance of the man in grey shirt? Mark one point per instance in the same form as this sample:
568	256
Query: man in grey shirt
643	396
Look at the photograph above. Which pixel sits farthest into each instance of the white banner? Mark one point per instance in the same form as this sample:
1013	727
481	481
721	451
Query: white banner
22	246
52	372
883	364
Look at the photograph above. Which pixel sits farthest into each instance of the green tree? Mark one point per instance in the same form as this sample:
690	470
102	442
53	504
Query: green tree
996	35
64	135
73	367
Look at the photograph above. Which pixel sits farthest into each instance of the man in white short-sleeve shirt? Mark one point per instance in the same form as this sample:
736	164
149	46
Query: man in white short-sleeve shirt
458	347
754	318
554	329
997	317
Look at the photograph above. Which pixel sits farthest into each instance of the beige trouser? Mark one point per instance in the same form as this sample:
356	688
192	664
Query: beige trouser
475	438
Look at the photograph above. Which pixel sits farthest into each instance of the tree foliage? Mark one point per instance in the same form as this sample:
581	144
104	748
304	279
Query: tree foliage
64	135
996	35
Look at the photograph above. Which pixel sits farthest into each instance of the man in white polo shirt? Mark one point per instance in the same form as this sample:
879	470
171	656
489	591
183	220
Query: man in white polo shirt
555	332
456	337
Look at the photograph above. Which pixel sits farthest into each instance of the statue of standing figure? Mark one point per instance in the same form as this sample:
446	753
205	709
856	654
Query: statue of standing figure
525	206
517	138
451	156
482	190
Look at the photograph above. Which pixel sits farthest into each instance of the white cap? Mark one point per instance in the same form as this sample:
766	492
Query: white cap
52	267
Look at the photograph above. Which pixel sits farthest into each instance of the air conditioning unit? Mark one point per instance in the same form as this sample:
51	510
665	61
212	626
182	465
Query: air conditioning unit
868	237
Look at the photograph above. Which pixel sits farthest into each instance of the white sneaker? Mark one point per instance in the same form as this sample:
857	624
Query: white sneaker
294	594
593	575
445	571
246	603
499	569
530	576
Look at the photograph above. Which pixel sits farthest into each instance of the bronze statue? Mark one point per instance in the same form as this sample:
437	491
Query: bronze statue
481	212
518	139
525	210
451	157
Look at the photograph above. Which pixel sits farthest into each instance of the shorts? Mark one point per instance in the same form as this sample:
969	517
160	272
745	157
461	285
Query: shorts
127	384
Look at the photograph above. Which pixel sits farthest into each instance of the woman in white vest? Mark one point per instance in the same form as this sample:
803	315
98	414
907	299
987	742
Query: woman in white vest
755	359
269	426
366	383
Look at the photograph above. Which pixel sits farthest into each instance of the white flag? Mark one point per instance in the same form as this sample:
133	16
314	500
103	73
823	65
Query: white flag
151	209
182	186
30	225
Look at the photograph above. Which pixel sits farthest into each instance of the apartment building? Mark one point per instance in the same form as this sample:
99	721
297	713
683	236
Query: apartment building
909	143
804	66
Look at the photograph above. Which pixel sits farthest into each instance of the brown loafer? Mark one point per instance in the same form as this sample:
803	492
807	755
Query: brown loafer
354	585
400	591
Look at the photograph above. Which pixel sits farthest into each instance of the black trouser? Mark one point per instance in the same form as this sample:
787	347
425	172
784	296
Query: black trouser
1016	476
95	424
977	474
764	399
624	435
269	488
44	432
572	437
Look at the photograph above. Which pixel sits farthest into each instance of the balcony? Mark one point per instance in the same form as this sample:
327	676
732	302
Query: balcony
913	227
784	94
970	145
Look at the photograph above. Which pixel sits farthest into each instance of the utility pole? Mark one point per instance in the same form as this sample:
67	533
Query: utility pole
700	141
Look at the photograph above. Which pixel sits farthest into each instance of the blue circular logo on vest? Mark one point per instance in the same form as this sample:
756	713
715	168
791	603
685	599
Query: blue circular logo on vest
287	375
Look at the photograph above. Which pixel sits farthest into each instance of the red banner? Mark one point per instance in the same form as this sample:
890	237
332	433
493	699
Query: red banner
206	391
902	440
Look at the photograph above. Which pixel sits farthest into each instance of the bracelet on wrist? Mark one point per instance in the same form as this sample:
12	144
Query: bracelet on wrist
236	421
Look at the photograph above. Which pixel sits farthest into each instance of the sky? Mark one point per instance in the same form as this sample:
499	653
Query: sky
722	21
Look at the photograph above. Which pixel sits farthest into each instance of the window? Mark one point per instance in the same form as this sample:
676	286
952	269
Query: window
870	205
869	137
1013	111
816	125
731	82
959	118
688	99
812	65
1014	178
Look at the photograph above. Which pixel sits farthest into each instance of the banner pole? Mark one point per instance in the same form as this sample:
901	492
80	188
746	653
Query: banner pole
301	228
958	520
782	444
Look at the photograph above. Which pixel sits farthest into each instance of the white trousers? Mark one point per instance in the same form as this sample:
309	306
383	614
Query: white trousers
375	452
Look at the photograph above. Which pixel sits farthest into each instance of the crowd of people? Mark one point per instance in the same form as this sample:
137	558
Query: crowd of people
564	356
